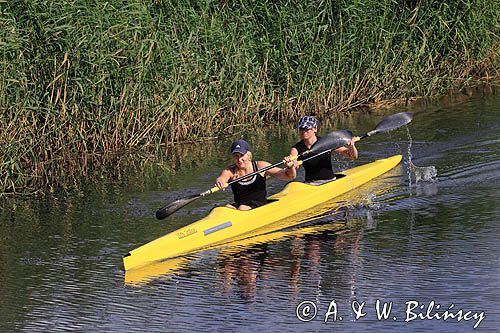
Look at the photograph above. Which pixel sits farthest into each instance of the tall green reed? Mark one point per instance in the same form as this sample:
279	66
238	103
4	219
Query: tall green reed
82	77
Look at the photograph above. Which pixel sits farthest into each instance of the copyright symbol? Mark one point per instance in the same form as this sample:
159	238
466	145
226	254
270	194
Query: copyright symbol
306	311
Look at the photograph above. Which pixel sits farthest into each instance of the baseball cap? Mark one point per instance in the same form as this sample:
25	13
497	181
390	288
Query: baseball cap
240	146
308	122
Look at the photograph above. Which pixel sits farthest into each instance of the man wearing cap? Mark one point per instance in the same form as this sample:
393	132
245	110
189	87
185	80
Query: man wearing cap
250	192
318	170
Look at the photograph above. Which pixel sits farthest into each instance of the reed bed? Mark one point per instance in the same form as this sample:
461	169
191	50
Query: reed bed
85	78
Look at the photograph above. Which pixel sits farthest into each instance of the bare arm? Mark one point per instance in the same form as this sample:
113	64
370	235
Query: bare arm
350	152
224	178
290	161
283	174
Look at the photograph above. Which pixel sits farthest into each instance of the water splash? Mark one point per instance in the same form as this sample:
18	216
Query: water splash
425	174
418	173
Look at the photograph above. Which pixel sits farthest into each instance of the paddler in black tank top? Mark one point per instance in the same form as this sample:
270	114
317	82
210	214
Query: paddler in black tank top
251	192
318	170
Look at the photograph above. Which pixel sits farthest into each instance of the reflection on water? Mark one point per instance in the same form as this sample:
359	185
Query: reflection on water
396	239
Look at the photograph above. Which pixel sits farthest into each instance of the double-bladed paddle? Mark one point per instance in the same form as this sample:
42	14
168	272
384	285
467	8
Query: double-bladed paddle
329	142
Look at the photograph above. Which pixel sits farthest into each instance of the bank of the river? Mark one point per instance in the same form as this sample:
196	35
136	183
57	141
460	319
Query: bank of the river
82	79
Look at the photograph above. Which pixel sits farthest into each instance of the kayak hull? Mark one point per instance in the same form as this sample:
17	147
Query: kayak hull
224	224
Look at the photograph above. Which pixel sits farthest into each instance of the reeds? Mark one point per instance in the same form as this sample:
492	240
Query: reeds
90	77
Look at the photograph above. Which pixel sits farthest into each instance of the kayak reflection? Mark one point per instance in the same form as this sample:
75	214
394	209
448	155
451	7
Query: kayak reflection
257	269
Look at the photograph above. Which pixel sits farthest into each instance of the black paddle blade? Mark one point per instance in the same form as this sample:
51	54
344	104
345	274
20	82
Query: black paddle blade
174	206
392	122
332	140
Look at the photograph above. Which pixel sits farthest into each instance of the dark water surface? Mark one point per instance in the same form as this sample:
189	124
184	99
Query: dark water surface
397	239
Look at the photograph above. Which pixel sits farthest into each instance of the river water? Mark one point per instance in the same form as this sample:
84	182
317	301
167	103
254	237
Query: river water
426	244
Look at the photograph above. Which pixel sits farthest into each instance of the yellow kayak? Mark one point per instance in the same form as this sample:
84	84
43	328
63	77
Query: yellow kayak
225	225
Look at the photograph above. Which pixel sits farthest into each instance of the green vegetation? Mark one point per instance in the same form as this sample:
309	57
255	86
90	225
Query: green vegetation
89	77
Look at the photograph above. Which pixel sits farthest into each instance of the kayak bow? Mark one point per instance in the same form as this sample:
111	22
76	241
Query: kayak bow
225	225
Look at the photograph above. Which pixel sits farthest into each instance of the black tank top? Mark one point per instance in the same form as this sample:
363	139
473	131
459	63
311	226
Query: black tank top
250	191
318	168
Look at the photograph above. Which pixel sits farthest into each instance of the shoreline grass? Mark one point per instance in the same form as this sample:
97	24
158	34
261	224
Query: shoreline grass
81	78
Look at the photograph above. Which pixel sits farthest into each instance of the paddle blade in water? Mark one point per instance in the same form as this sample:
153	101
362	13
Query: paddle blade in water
332	140
392	122
174	206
